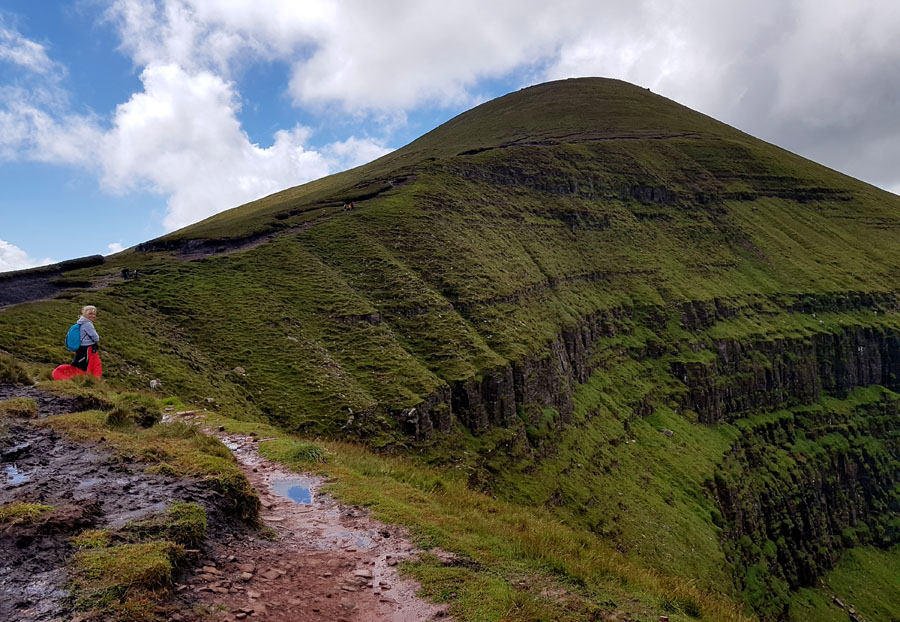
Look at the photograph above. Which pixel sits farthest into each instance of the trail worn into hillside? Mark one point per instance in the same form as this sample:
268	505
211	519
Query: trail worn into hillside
327	562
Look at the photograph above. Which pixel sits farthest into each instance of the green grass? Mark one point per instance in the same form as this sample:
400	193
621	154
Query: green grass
123	581
92	539
21	512
13	371
124	574
865	579
182	523
565	248
18	407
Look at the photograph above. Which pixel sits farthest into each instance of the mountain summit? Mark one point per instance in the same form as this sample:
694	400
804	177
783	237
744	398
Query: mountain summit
674	336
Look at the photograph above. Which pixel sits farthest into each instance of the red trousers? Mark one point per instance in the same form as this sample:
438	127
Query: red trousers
94	367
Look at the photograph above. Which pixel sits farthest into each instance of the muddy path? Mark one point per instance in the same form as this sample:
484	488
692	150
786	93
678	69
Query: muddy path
319	560
328	561
88	487
48	403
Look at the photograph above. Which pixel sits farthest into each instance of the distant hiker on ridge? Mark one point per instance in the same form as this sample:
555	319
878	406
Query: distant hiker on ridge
83	340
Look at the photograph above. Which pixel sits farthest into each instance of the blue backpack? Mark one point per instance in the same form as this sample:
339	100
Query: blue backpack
73	337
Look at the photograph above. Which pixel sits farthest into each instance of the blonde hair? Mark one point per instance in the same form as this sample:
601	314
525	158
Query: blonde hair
88	309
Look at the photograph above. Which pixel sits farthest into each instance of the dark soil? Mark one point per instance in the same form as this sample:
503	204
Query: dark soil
89	487
328	562
47	403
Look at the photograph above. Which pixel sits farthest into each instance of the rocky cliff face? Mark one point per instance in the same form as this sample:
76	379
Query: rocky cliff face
735	378
763	375
800	485
500	395
799	488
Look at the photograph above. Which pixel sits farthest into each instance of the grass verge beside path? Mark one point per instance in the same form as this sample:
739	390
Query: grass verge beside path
516	563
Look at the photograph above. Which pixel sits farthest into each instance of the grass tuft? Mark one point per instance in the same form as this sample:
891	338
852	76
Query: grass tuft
92	539
122	580
21	512
183	523
12	371
19	407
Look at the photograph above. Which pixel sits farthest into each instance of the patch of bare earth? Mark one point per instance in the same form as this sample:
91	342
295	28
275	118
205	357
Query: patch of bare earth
328	561
87	486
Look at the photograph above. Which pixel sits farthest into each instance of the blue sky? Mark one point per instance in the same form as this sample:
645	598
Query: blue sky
121	120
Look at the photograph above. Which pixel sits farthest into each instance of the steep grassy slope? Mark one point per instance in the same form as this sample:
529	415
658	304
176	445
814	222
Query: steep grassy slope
585	296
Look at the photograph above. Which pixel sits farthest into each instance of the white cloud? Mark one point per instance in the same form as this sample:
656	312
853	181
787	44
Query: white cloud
397	54
353	152
820	77
115	247
20	51
14	258
206	34
180	137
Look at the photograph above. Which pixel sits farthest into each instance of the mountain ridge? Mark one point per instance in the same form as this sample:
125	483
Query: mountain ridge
547	284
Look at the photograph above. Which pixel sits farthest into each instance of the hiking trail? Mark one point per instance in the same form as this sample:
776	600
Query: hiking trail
328	562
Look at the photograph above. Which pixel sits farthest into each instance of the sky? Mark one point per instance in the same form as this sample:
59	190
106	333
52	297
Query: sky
122	120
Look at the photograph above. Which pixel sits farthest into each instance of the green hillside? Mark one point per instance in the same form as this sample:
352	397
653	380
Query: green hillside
675	339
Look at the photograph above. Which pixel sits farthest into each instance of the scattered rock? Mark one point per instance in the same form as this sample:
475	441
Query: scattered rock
668	433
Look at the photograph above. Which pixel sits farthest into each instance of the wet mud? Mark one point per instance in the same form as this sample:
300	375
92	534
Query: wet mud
328	562
48	403
88	487
324	560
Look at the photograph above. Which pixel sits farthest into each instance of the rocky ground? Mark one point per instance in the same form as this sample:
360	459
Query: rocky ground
88	486
319	561
328	561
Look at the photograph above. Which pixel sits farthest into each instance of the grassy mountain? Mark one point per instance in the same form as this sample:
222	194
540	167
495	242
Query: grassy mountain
672	337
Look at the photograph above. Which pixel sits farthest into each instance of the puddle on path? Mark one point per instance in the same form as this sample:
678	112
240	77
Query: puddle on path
14	476
297	490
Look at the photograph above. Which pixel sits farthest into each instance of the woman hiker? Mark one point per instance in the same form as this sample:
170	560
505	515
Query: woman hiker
86	359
